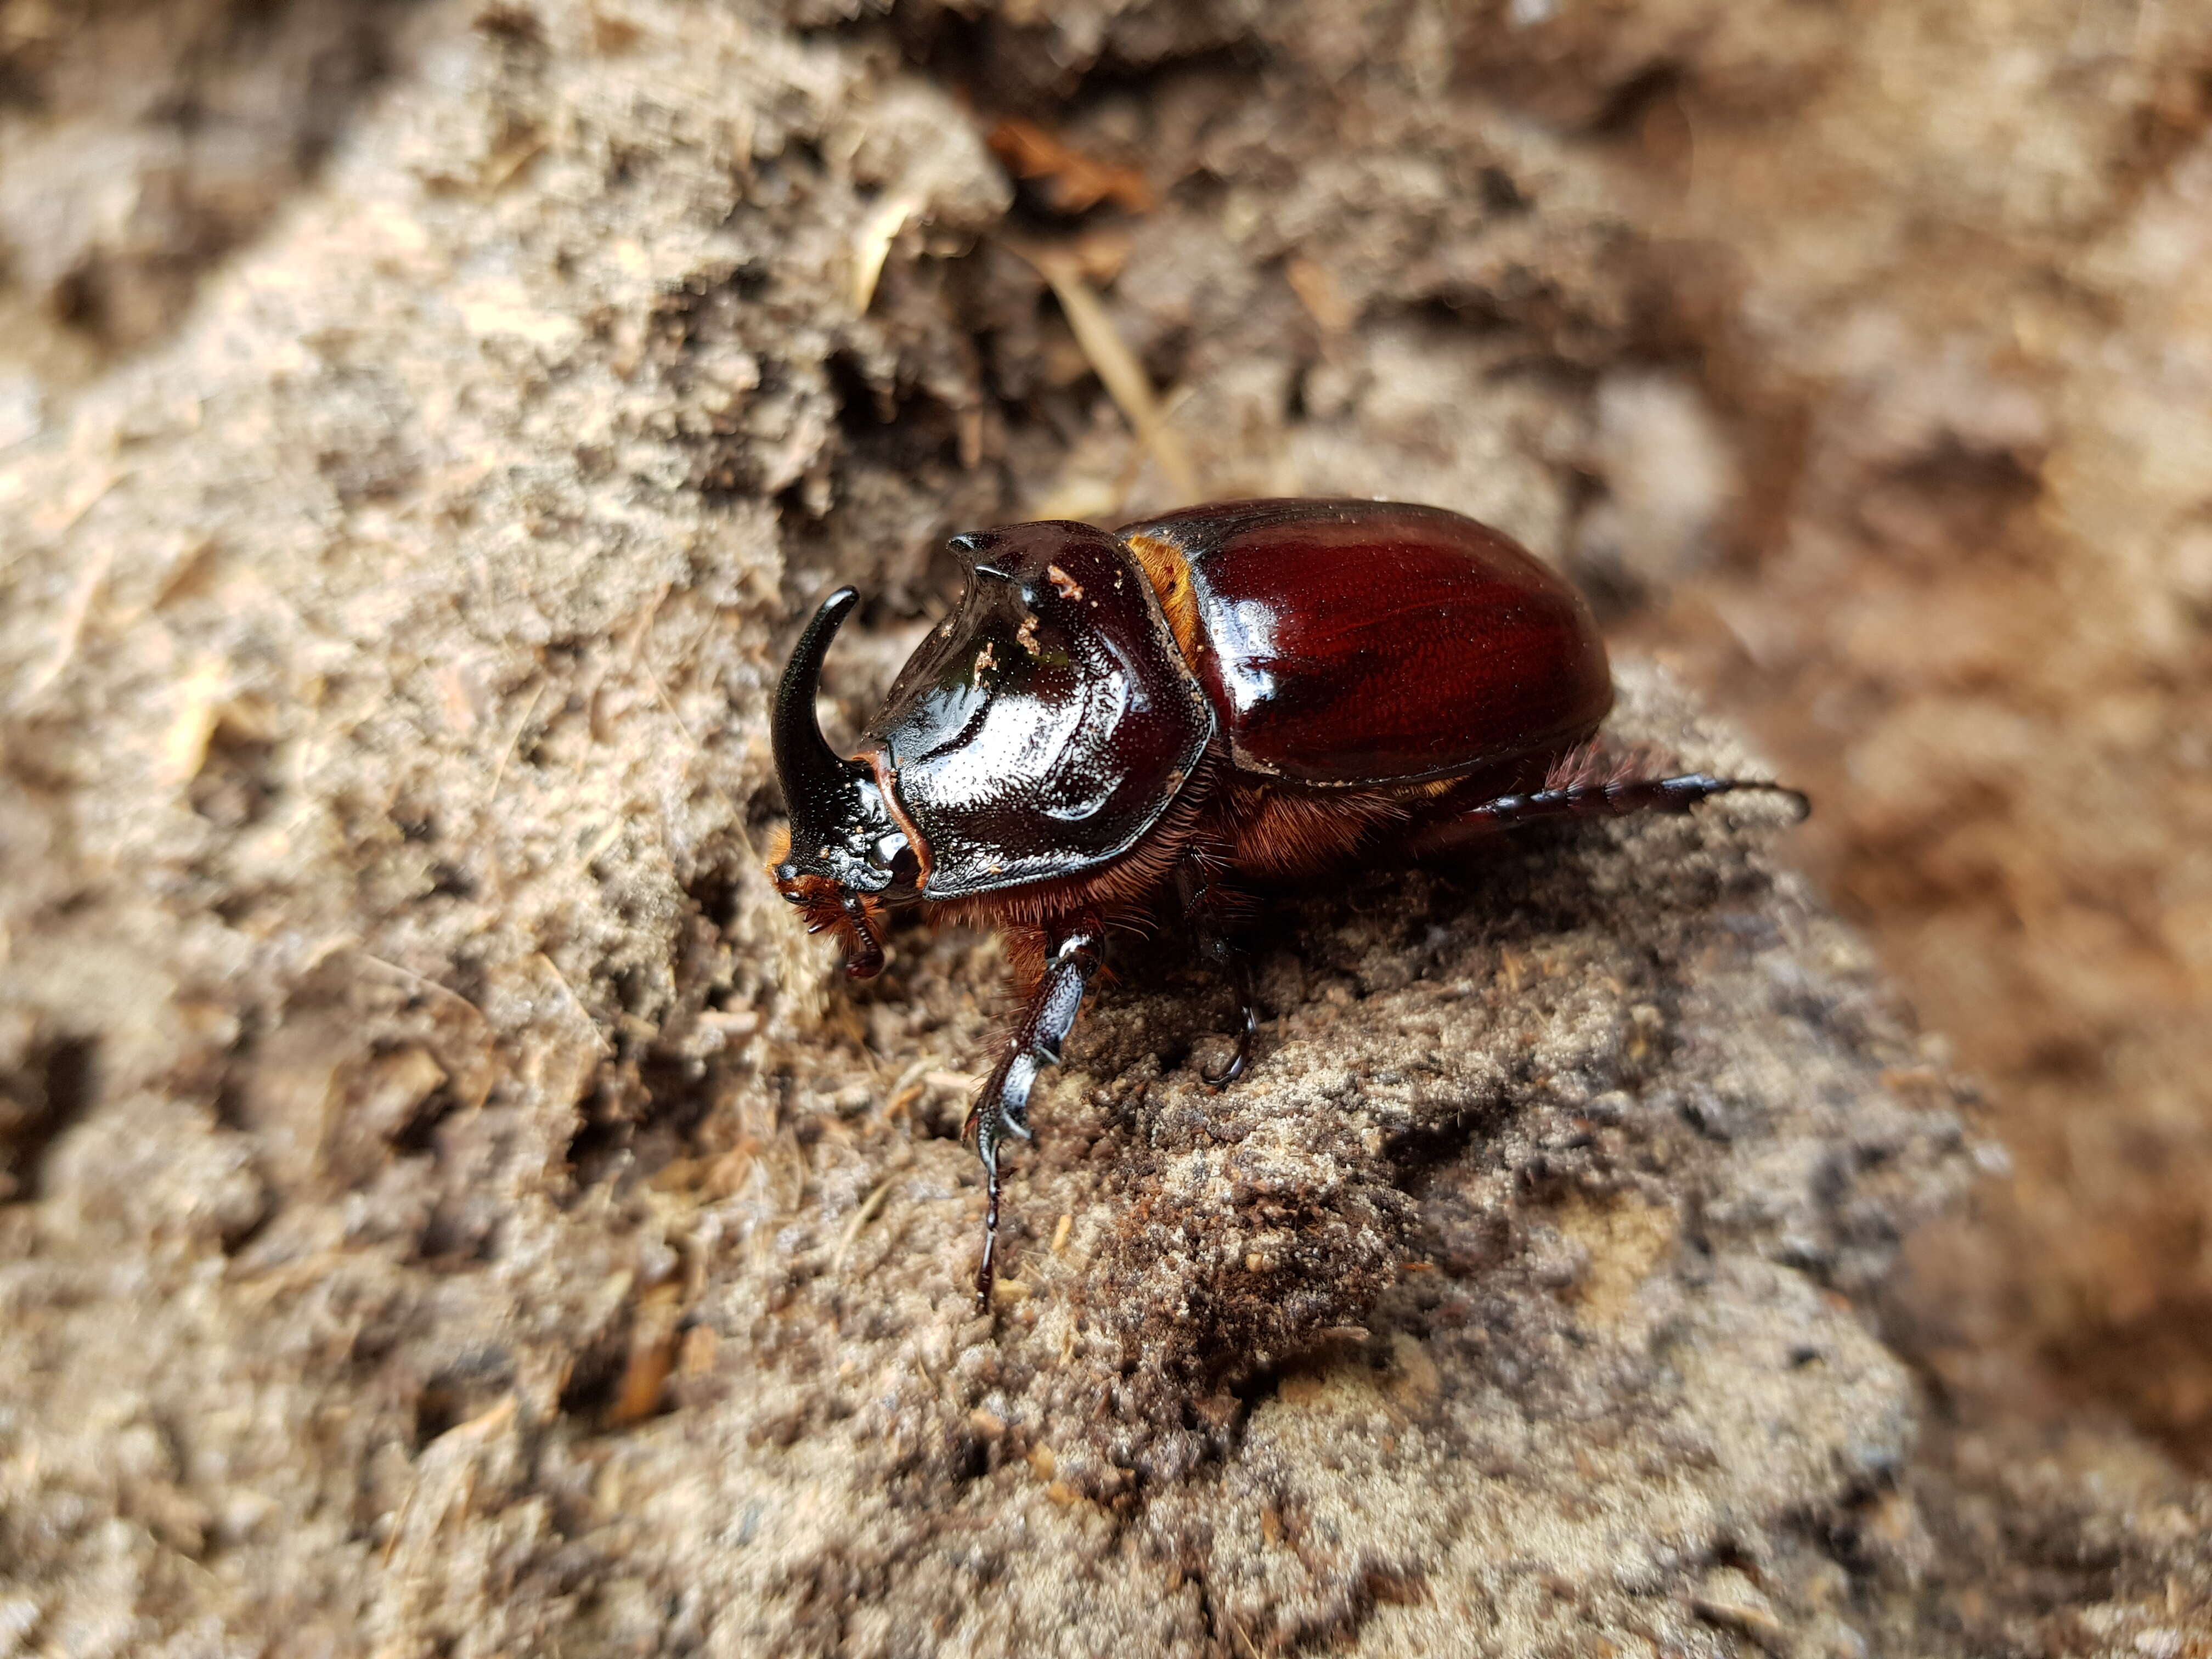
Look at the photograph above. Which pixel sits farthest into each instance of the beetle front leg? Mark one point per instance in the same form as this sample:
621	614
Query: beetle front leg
1073	955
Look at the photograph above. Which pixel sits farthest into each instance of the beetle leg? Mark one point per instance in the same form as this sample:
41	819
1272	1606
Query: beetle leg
1240	980
1002	1107
1206	906
1612	797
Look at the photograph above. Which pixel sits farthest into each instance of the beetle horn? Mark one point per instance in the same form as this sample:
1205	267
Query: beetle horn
817	781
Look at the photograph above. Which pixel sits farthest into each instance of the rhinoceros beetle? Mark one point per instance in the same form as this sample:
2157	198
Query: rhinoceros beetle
1236	695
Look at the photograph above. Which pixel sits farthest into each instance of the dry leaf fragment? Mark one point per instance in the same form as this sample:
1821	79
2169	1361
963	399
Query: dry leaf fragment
651	1356
872	246
1072	182
1317	291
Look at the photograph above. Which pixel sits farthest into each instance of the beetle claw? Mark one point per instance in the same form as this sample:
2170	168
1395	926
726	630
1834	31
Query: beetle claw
1239	1060
1240	978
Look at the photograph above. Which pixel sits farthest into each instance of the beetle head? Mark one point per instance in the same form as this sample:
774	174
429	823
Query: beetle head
846	857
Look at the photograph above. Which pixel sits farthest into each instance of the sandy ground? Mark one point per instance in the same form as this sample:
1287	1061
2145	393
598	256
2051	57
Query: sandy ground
447	1208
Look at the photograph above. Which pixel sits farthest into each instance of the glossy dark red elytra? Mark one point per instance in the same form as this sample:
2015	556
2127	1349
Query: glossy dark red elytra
1244	694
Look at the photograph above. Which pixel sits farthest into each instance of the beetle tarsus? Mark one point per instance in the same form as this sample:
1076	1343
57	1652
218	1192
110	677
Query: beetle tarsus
1206	905
984	1269
1002	1107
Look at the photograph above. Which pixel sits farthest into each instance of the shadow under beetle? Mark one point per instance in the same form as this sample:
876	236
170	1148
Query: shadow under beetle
1250	692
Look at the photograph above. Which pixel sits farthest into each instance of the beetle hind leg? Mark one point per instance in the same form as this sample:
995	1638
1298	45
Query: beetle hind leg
1074	955
1584	787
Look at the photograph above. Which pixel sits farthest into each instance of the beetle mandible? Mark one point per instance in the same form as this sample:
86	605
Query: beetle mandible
1245	693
